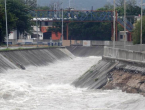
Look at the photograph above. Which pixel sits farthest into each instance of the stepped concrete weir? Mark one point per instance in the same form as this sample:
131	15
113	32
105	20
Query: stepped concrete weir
23	58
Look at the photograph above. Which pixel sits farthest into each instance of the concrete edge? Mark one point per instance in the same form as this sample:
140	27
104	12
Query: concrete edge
125	60
30	49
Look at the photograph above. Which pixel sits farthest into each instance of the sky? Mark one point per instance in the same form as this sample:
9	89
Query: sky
80	4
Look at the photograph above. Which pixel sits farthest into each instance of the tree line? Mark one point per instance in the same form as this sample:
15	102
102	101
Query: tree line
102	30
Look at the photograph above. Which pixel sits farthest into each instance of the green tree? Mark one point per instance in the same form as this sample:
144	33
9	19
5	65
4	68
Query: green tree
18	17
11	23
137	31
21	12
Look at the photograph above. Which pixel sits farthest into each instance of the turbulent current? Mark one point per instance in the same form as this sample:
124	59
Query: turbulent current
49	88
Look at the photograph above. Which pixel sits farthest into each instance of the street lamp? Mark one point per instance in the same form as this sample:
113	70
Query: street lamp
6	22
69	4
124	24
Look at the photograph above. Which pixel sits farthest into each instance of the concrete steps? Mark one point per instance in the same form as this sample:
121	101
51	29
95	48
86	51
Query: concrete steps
36	57
96	77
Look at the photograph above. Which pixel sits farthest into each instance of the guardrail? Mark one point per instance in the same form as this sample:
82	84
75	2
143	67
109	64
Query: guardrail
109	43
137	48
124	54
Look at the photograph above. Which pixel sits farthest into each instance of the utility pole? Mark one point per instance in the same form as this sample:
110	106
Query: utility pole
124	24
6	23
141	22
62	25
37	25
69	4
114	28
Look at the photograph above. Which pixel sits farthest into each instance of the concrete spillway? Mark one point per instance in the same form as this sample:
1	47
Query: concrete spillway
81	51
6	64
96	76
38	57
31	57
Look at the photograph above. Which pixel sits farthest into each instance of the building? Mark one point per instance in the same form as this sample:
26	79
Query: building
44	34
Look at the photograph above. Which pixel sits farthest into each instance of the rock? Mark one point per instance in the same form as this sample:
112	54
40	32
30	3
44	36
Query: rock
128	82
131	90
134	81
142	87
108	86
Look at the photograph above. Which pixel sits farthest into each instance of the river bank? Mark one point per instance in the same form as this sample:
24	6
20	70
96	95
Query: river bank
129	82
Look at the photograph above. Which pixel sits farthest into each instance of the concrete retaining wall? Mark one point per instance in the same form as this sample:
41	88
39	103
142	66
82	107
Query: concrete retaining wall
124	54
94	43
96	77
138	47
123	69
86	51
110	43
35	57
6	64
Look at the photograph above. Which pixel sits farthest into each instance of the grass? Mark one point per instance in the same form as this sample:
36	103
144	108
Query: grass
96	79
21	48
7	49
91	71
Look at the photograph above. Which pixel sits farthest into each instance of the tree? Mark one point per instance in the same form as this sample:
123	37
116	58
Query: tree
21	12
85	30
18	17
55	5
137	31
120	3
11	22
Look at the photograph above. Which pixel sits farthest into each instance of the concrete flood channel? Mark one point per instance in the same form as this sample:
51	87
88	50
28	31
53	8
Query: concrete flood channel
71	78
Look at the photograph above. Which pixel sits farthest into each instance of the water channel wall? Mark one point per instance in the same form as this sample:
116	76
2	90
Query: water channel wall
96	76
137	47
82	51
22	58
119	68
13	59
123	54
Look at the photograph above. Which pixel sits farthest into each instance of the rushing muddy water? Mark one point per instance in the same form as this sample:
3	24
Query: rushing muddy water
49	88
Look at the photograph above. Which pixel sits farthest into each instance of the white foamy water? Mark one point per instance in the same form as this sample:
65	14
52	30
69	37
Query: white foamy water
49	88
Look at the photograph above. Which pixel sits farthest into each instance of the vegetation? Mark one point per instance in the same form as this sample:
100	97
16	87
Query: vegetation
99	30
18	17
137	31
21	48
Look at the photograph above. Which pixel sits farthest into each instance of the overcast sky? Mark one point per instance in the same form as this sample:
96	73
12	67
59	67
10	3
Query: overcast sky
80	4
